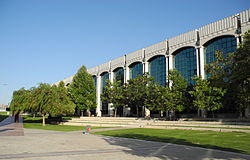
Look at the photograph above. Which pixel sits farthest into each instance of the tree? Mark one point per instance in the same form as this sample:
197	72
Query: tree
156	97
63	102
233	74
219	71
20	100
175	95
136	91
52	100
205	96
114	93
82	91
241	74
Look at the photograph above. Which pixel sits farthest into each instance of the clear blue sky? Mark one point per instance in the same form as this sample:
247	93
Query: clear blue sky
48	40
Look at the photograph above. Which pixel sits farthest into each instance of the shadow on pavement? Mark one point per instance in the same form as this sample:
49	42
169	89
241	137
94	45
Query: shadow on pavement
170	151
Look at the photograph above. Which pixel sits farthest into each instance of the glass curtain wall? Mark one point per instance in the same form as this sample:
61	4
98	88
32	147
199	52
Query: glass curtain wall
225	44
104	77
135	69
157	69
119	75
95	80
185	63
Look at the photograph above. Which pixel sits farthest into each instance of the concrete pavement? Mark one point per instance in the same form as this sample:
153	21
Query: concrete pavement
9	128
50	145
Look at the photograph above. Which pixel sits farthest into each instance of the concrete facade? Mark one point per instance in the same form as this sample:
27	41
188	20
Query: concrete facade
235	26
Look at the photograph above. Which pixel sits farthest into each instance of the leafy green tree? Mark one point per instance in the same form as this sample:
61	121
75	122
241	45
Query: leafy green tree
233	73
114	93
52	100
44	99
156	97
82	90
136	91
64	104
20	100
175	95
220	70
241	74
219	74
206	97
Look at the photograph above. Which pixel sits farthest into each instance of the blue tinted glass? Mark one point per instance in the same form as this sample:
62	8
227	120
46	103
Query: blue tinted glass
95	80
104	79
185	63
119	75
157	69
135	70
224	44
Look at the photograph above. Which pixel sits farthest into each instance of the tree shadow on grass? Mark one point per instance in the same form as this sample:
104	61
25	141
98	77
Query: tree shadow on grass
52	120
171	149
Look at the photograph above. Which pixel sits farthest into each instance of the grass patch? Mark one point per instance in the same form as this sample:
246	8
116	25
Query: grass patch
204	127
228	141
3	115
56	127
51	124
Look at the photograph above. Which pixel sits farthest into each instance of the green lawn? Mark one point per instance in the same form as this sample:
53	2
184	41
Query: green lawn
36	123
203	127
3	115
56	127
228	141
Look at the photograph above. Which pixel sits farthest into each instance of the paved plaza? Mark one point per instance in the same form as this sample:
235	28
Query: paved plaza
51	145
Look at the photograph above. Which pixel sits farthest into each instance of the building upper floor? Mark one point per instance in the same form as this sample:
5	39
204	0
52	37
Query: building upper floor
227	31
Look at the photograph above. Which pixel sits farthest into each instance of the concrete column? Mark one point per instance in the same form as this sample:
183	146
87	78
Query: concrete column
197	50
126	74
171	62
238	40
166	69
145	67
111	76
110	105
145	70
98	94
202	62
126	110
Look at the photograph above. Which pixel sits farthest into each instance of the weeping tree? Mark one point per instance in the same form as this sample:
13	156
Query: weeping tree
82	91
52	100
44	99
20	101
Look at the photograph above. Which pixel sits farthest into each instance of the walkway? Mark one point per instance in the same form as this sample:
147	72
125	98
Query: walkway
51	145
9	128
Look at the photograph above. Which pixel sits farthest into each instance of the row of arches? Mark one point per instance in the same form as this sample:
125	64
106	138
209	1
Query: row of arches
184	60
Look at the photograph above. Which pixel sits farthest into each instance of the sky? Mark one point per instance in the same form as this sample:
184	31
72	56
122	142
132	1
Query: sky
44	41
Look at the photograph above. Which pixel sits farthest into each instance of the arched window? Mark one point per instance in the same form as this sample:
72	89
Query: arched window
226	44
185	63
119	74
157	69
104	78
135	69
95	80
